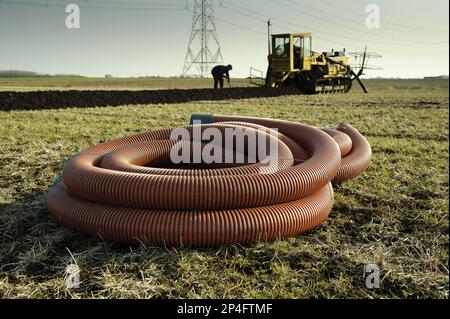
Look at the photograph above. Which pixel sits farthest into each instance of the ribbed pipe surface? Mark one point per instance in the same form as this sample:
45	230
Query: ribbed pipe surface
127	190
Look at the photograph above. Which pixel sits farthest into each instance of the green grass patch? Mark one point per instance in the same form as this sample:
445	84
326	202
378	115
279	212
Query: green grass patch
394	215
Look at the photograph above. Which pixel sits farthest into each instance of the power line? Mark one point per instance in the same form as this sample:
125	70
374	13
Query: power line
408	28
346	27
277	24
240	26
47	4
280	22
283	22
264	21
92	5
257	16
343	18
131	3
401	41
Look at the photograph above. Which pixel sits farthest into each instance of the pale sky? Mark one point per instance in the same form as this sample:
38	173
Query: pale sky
145	37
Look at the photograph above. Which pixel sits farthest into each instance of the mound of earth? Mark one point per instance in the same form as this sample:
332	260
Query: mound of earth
38	100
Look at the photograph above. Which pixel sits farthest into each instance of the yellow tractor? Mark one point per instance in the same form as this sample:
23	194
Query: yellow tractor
292	62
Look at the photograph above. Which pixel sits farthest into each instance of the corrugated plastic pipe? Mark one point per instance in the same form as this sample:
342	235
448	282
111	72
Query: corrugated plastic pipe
127	190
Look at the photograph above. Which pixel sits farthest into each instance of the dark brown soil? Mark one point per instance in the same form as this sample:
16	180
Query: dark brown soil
69	99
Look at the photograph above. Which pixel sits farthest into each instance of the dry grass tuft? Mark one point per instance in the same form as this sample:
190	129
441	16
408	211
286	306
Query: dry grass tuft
395	215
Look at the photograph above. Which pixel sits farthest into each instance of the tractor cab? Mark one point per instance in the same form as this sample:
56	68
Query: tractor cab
291	52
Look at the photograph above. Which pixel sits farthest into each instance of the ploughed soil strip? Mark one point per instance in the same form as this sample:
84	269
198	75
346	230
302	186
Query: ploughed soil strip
39	100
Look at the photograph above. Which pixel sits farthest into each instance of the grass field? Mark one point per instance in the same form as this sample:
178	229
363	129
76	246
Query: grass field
61	83
79	83
395	215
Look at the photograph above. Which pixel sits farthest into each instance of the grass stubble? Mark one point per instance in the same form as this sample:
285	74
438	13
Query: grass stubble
395	215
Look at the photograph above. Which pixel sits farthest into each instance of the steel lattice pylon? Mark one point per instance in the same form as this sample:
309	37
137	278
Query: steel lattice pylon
199	52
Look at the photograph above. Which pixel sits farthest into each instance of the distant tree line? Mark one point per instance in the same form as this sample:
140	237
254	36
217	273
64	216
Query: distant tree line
29	74
17	74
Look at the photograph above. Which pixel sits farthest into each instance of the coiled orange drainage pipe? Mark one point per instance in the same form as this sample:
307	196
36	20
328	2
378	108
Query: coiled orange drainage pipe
125	190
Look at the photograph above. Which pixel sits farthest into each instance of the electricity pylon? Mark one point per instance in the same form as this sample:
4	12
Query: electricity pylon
203	40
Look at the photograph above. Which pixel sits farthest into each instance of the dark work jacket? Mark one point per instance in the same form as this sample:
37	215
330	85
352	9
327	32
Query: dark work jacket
219	71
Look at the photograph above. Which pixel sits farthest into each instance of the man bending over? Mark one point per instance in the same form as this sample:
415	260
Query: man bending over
219	72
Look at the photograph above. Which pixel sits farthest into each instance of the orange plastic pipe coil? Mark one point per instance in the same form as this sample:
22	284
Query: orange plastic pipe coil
126	190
